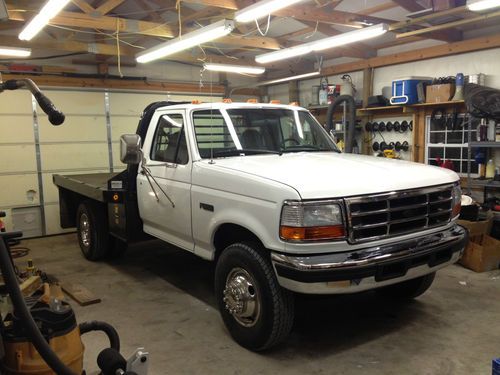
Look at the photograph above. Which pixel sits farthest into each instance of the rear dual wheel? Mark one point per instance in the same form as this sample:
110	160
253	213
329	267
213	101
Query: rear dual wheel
93	237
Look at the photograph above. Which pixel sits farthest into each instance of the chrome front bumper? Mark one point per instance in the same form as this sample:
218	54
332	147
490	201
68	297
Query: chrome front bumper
372	267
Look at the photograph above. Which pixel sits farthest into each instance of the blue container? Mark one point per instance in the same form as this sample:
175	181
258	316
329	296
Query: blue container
404	90
496	367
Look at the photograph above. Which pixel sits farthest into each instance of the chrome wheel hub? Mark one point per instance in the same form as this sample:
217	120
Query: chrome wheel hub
241	297
85	230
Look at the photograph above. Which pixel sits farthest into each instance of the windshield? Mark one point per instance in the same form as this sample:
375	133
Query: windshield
250	131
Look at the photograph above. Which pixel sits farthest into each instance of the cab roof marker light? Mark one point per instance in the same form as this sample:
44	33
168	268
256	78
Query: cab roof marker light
15	52
234	68
480	5
262	9
189	40
37	23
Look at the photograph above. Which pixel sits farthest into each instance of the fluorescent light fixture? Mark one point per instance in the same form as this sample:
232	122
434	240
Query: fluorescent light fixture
234	68
479	5
49	11
189	40
284	54
350	37
322	44
16	52
262	9
287	79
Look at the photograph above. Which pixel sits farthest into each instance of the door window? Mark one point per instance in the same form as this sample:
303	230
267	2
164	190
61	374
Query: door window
169	144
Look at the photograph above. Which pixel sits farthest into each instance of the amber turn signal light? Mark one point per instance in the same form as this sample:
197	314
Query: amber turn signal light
456	210
312	233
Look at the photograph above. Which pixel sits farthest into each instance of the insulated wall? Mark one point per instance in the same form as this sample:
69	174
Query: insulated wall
32	150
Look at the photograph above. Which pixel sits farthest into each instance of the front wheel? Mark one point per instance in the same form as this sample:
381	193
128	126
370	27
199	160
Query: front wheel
255	309
408	289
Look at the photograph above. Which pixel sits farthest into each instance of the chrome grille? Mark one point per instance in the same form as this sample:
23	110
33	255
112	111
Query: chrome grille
396	213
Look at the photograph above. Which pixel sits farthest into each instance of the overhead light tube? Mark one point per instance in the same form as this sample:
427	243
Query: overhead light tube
325	43
189	40
15	52
479	5
48	11
284	54
234	68
350	37
262	9
287	79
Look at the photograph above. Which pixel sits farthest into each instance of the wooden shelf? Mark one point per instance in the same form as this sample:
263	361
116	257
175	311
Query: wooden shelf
485	183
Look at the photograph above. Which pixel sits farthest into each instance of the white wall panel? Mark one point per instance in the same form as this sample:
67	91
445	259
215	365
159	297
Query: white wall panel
16	128
78	156
17	158
76	102
52	220
16	102
75	128
15	190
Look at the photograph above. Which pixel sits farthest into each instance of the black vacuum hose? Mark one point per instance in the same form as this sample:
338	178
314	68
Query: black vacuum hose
108	329
351	118
23	313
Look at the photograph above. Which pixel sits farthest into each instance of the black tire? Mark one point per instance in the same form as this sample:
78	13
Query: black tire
273	322
408	289
92	229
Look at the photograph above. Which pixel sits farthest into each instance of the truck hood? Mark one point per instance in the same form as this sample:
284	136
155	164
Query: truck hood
328	175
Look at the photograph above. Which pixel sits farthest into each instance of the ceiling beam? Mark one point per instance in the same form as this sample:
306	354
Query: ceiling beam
119	84
108	6
450	49
302	13
123	25
378	8
448	25
83	6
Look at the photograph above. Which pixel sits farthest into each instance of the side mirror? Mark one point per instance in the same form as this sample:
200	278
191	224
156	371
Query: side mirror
130	149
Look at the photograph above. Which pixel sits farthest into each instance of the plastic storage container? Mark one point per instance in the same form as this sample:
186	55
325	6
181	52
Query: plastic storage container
404	90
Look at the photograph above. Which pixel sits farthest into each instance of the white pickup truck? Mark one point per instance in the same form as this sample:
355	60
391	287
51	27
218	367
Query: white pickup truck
263	191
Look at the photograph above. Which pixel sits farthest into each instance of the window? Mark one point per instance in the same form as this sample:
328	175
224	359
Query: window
245	131
169	144
446	143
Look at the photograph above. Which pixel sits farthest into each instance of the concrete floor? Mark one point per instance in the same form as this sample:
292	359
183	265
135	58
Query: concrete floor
162	298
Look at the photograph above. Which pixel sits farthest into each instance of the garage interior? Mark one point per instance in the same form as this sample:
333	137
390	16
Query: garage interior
424	78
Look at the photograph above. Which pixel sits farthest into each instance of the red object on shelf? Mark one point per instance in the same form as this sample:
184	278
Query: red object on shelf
448	164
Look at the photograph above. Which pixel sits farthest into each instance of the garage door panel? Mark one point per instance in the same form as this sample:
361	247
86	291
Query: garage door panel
75	128
52	220
22	190
17	158
16	128
77	102
123	125
74	156
16	102
131	104
50	191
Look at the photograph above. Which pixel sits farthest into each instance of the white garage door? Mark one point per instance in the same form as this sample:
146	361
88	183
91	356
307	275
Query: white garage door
32	150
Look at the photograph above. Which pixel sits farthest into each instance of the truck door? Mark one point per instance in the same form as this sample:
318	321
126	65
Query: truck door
164	184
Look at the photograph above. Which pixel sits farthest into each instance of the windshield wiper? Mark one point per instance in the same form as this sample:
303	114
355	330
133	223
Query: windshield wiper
300	148
244	151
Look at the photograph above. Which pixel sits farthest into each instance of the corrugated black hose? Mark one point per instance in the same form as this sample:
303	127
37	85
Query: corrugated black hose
108	329
351	119
23	313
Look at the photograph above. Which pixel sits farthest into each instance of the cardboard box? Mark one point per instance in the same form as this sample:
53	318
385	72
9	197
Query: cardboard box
478	228
439	93
483	256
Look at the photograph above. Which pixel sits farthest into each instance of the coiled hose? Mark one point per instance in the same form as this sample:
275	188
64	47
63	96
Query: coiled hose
351	118
108	329
23	313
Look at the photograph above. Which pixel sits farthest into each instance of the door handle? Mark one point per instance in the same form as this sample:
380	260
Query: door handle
170	165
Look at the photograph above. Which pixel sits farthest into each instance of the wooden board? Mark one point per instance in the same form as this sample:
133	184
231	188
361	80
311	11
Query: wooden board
80	294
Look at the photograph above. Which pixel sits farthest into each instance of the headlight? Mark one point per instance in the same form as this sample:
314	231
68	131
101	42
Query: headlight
311	221
456	200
